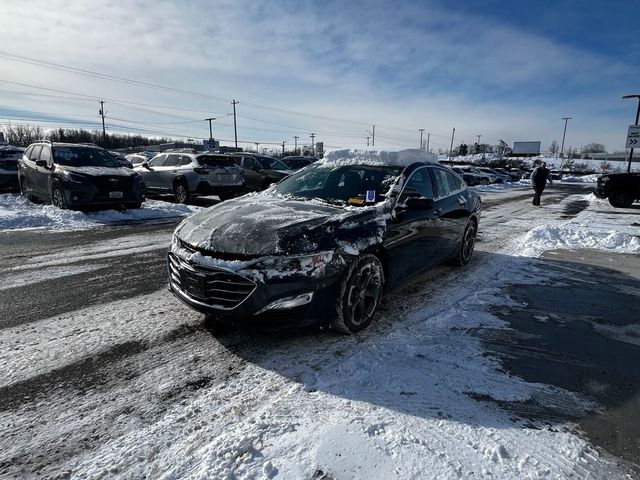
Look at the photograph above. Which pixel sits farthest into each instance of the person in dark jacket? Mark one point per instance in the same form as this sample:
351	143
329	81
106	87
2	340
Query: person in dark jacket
539	179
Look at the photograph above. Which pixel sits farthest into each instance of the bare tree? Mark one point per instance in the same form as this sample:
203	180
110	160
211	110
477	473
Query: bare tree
594	148
605	166
553	148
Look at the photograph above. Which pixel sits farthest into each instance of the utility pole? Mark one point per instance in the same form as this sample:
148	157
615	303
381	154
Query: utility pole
428	138
101	112
478	143
235	128
313	145
453	134
637	118
283	142
421	130
295	148
566	119
368	141
373	136
257	144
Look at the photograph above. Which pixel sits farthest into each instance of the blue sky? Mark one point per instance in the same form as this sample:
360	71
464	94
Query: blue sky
504	70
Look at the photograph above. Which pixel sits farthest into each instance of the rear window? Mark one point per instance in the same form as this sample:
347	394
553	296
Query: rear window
215	161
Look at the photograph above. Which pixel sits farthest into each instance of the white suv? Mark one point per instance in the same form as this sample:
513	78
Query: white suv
186	175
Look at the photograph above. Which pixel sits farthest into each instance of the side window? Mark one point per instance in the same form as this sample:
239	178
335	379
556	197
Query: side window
46	155
27	152
418	185
172	160
35	153
455	183
249	163
157	161
237	160
441	186
184	160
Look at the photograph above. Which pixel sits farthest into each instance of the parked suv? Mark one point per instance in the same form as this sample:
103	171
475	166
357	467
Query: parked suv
298	162
620	188
260	170
71	175
9	157
187	175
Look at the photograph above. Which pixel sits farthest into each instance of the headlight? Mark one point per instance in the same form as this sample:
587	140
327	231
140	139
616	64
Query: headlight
73	177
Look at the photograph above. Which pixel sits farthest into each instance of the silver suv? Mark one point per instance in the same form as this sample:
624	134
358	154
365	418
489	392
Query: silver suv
186	175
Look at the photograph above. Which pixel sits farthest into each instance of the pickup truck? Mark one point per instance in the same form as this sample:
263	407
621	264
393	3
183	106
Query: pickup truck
622	189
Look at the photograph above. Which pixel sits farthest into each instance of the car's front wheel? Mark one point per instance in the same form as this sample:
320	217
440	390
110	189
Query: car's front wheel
360	294
26	190
620	199
57	198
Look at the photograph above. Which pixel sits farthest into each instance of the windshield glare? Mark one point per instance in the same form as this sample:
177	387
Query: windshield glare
269	163
352	184
83	157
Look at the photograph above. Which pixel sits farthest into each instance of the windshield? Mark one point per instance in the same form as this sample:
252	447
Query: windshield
269	163
216	161
346	184
83	157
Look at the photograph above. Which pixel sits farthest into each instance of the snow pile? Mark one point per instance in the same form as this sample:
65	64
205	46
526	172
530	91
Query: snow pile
16	212
605	229
380	157
498	187
581	179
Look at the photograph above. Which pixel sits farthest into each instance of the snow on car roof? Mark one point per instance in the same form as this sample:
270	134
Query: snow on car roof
401	158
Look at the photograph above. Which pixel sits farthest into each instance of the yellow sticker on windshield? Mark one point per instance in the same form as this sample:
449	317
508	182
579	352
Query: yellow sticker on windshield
355	201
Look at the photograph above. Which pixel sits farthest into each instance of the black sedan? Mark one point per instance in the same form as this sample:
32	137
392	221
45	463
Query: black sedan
323	245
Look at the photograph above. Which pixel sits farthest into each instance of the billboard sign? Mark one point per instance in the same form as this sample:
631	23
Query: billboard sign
526	148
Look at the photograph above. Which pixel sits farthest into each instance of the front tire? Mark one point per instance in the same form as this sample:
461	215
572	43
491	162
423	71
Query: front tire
466	247
26	190
360	295
620	199
58	199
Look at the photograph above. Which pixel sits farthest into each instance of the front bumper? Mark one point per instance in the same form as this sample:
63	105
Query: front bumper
250	309
89	196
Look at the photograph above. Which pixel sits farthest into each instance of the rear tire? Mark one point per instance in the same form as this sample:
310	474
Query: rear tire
484	181
181	192
58	199
360	295
466	247
620	199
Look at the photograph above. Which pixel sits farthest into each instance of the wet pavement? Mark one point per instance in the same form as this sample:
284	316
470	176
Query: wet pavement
579	330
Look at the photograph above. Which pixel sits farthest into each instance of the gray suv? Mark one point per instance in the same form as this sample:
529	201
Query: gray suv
187	175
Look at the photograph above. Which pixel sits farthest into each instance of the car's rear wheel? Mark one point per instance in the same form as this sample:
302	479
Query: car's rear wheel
57	198
620	199
484	181
360	294
181	192
467	245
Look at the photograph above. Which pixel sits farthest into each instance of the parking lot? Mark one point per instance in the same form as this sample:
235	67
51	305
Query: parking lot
514	365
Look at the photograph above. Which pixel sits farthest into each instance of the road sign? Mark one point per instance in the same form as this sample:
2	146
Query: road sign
633	137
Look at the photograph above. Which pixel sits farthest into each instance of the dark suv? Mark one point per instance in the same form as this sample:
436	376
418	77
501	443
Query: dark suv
260	170
620	188
71	175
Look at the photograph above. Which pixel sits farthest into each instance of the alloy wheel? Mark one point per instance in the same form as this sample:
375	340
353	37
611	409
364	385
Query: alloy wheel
468	242
364	293
58	198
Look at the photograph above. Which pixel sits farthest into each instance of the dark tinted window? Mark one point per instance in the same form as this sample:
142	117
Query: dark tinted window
249	163
35	153
271	163
157	161
172	161
455	183
215	160
184	160
418	185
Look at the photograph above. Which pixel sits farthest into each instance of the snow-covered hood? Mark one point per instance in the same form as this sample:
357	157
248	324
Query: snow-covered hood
259	225
98	171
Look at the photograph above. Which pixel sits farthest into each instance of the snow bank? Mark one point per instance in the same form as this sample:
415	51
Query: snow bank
499	187
581	179
605	229
16	212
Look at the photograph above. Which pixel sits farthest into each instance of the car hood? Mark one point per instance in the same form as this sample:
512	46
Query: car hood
261	225
98	171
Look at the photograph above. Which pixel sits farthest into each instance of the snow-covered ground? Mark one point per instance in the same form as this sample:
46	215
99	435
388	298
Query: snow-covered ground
581	179
16	212
398	401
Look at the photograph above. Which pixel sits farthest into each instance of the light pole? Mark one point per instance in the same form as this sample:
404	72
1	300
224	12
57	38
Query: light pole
421	130
637	118
566	119
257	144
478	143
295	149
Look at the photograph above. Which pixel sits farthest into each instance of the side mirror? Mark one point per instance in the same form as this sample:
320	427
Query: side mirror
419	203
42	163
146	165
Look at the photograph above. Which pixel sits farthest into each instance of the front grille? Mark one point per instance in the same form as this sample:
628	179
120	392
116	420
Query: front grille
111	183
216	287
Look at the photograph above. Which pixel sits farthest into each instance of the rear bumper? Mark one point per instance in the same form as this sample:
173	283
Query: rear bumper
205	188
